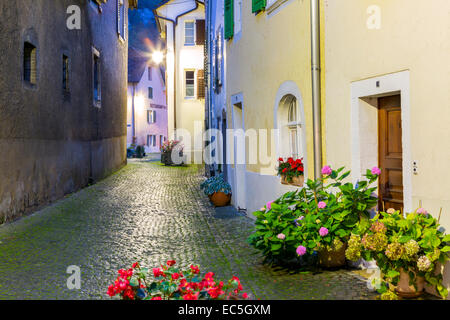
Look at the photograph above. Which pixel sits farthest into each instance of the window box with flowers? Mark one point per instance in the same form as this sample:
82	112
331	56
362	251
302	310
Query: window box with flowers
291	171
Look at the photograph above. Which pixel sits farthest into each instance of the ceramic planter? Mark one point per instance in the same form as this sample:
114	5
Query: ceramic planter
220	199
296	181
333	258
406	290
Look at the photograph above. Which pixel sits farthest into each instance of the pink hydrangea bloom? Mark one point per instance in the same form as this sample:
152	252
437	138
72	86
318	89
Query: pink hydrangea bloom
326	171
269	205
323	231
376	170
281	236
422	211
301	250
321	205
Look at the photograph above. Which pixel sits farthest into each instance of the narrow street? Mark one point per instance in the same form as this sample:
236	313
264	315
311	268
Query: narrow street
149	213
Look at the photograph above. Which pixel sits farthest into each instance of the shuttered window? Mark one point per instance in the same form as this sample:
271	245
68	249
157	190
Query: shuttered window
189	35
200	84
190	83
258	5
200	30
229	19
151	116
150	92
29	63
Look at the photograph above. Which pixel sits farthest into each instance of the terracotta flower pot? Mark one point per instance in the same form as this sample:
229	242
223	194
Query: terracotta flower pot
333	258
220	199
405	290
296	181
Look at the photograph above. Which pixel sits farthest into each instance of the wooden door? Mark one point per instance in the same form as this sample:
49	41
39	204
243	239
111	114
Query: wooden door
390	153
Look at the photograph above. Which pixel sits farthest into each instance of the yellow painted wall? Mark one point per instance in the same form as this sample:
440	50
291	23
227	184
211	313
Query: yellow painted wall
414	36
271	50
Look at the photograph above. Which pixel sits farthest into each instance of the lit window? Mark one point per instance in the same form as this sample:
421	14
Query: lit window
29	63
190	83
189	33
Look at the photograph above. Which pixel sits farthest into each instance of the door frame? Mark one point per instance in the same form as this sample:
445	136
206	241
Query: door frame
239	174
374	87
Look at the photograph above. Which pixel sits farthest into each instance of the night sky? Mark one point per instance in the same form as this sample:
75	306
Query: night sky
142	25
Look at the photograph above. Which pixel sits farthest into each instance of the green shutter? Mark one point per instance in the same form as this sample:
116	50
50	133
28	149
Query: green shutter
258	5
229	19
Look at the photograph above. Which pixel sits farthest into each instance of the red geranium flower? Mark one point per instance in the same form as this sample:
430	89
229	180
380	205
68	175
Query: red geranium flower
170	262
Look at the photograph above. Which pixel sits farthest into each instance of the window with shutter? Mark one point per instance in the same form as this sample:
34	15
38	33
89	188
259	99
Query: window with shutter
200	84
258	5
229	19
189	35
29	63
190	84
200	30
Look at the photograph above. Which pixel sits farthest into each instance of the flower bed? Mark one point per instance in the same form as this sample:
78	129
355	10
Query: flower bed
168	282
169	149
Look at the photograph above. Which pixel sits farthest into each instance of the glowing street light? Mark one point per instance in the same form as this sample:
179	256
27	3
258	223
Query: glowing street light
158	57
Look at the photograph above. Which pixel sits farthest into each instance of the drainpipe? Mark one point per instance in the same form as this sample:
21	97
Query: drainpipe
316	92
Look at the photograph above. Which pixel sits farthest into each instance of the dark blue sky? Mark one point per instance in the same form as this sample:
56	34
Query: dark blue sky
142	24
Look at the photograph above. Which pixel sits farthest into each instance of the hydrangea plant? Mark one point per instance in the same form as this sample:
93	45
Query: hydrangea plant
319	216
215	184
413	243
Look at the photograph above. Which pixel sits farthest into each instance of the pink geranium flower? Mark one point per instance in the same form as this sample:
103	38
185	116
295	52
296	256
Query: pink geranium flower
269	205
321	205
323	231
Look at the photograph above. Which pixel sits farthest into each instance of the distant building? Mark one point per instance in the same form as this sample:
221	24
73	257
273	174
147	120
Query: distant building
63	95
146	86
182	25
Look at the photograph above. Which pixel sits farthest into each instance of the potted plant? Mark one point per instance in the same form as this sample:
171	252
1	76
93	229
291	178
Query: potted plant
218	190
316	220
168	282
291	171
168	149
406	249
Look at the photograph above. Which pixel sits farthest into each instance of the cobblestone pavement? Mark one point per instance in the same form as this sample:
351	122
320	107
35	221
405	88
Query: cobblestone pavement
149	213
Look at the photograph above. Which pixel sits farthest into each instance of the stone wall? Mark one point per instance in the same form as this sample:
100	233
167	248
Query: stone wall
54	142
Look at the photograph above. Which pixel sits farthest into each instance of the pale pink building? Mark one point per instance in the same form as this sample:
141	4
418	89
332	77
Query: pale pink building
146	87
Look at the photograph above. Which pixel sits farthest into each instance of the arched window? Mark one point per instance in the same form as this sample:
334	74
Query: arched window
290	126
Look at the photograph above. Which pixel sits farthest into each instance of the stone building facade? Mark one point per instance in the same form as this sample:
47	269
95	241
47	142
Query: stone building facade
63	98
